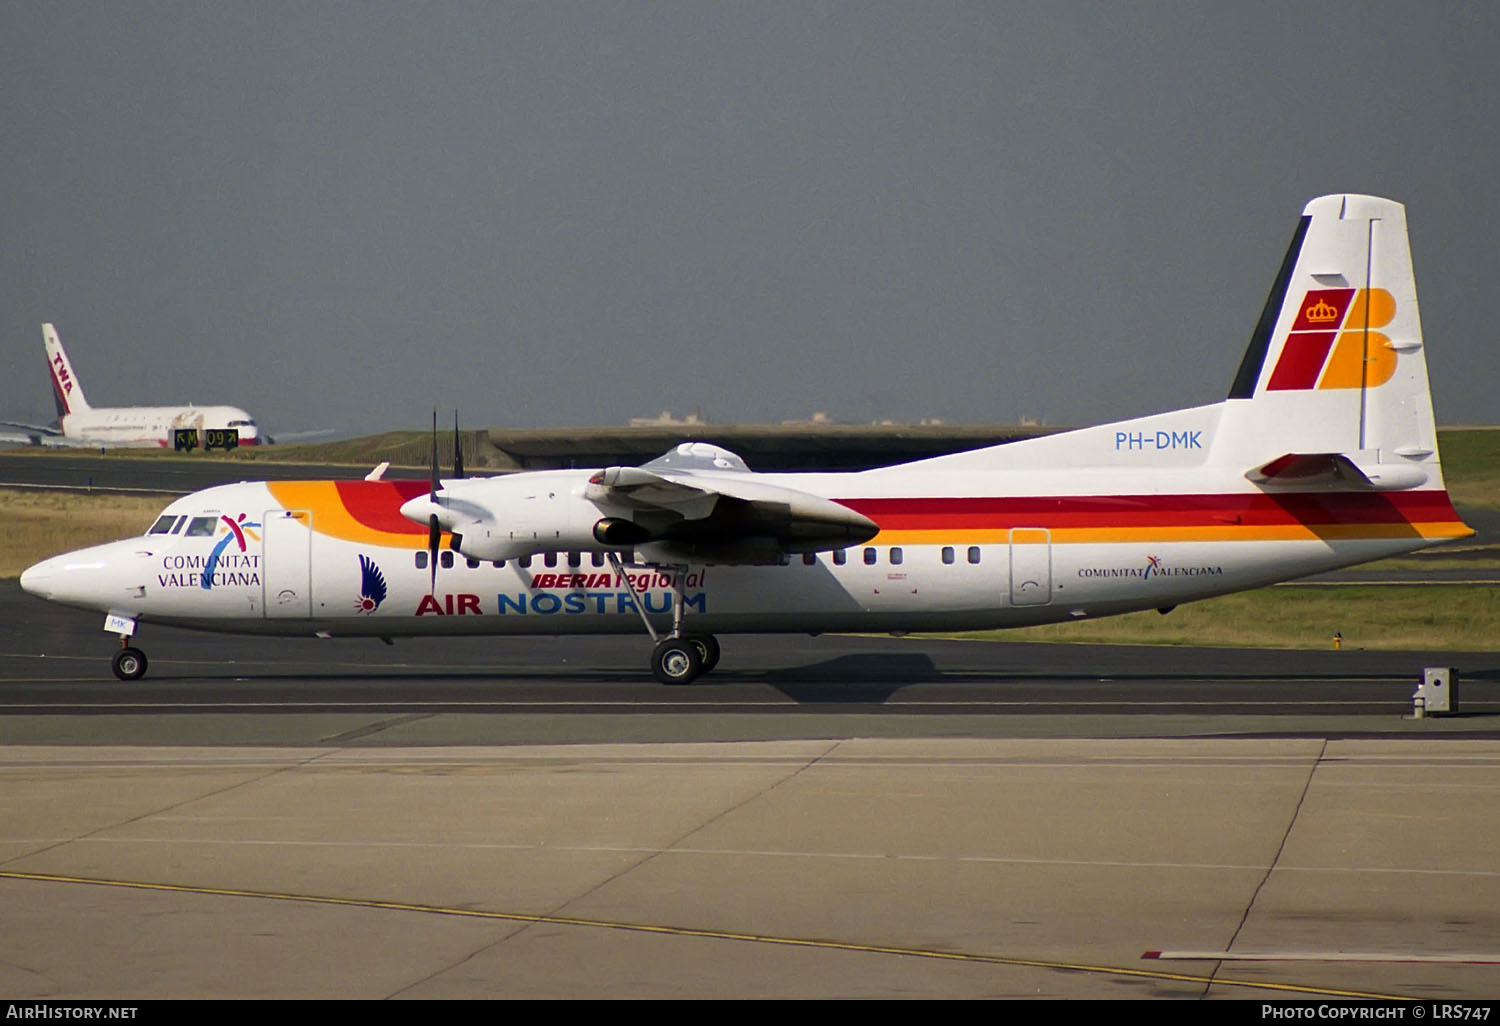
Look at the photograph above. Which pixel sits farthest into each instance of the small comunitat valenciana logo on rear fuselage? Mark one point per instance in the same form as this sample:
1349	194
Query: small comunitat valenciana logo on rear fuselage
1155	567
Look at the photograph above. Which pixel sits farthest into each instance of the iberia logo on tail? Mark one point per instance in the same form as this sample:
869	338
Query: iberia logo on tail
1318	354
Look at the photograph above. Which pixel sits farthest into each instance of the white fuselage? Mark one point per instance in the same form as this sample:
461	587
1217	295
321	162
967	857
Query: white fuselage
956	551
152	426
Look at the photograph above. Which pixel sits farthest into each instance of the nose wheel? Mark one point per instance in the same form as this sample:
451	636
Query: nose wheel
129	663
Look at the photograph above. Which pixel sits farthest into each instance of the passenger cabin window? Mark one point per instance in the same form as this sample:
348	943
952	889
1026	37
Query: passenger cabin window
948	555
202	527
447	560
896	557
550	559
473	564
869	557
525	562
422	560
597	558
497	564
840	557
809	559
575	559
973	553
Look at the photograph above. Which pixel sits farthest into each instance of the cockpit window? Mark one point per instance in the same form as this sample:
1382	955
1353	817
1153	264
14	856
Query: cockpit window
202	527
164	524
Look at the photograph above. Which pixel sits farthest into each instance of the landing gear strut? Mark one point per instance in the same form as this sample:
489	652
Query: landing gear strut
680	657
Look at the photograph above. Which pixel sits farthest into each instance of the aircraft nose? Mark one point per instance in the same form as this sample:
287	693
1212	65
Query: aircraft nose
37	579
88	577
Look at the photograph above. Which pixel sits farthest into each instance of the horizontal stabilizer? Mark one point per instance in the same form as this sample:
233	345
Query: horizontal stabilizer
1301	469
35	430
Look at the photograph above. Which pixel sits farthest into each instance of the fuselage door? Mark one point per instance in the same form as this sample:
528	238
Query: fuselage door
1030	566
286	563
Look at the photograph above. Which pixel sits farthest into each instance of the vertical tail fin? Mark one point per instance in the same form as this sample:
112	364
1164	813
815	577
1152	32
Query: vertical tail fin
66	390
1336	364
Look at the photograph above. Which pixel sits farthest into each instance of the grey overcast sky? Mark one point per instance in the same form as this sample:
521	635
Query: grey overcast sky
567	213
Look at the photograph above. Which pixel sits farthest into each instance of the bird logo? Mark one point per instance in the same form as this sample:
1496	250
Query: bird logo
371	586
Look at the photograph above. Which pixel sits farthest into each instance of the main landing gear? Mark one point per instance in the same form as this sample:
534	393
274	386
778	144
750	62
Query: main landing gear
680	657
679	660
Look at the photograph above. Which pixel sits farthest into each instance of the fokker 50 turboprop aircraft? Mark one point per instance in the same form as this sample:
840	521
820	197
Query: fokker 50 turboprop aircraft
1323	455
79	424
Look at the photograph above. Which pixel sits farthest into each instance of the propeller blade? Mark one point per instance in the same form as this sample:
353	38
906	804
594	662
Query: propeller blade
458	453
434	529
433	487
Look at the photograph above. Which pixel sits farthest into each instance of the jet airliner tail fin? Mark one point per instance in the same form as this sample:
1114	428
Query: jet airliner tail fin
1335	377
66	390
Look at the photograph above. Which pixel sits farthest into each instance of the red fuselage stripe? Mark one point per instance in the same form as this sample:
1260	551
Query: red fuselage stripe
1159	510
377	504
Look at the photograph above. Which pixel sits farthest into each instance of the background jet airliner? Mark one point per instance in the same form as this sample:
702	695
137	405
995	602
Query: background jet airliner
79	424
1323	455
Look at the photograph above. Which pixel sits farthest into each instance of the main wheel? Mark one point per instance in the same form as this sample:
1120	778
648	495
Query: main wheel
676	661
129	664
708	649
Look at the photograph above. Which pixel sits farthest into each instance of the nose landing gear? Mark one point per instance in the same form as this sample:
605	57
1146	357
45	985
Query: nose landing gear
129	663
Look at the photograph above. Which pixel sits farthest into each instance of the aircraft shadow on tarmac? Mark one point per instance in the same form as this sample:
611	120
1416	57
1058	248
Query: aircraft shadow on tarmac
846	680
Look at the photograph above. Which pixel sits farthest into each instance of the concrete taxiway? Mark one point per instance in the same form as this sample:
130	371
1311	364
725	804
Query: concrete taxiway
834	817
837	868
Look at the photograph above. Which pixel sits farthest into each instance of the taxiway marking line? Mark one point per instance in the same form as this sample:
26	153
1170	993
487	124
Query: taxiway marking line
1322	956
682	931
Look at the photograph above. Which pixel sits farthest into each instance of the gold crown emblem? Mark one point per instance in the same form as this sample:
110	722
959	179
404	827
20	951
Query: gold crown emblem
1321	311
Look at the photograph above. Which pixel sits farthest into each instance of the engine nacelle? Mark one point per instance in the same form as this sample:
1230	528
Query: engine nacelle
519	516
615	533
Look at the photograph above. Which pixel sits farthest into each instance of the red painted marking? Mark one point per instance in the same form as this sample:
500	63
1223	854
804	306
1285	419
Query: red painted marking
239	535
466	604
1301	362
377	504
1157	510
1323	310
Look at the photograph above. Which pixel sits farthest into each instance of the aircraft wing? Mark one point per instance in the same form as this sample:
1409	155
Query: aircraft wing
640	490
702	502
283	437
698	503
